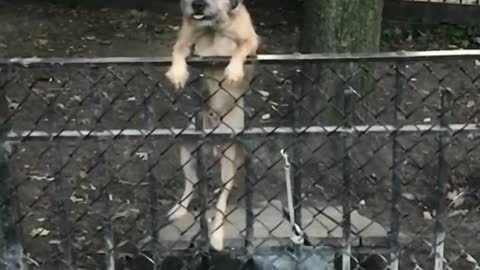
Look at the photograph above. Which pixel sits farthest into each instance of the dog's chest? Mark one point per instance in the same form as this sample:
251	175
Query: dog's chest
214	44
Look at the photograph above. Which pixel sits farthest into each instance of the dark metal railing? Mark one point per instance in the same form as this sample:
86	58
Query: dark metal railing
347	132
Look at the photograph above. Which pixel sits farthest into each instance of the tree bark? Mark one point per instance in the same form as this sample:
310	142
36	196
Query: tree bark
338	26
342	25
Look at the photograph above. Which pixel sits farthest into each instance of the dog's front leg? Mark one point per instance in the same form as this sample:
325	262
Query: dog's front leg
245	47
178	72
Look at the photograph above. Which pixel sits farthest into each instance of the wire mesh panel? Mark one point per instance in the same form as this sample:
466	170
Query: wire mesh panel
460	2
383	150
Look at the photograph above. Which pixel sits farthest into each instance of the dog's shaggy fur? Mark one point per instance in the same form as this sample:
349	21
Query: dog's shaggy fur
215	28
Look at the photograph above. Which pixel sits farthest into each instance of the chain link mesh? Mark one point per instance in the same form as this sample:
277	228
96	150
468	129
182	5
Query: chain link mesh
384	153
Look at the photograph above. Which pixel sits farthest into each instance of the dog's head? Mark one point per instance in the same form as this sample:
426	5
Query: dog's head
208	12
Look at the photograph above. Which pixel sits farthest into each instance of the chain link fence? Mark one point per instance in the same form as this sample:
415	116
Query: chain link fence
383	147
460	2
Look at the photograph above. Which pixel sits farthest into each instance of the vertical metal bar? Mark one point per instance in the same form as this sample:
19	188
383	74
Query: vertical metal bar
12	250
149	114
102	176
203	185
294	151
396	185
249	215
11	256
441	186
58	195
346	168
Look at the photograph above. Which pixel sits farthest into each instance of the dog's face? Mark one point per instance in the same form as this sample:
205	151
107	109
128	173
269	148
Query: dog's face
207	12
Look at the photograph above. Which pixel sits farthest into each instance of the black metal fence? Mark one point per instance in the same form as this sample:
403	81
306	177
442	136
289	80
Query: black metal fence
384	153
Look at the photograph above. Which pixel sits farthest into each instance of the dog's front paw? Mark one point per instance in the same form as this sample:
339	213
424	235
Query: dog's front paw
178	76
217	238
234	72
177	212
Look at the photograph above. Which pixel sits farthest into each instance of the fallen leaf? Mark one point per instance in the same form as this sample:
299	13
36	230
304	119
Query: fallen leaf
39	232
452	194
470	259
126	213
43	41
12	105
76	199
470	104
174	27
427	215
409	196
123	243
266	116
76	98
54	242
456	198
264	93
41	178
142	155
105	42
457	213
273	103
124	255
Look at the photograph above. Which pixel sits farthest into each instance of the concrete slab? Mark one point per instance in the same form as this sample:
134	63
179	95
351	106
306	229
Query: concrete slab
270	228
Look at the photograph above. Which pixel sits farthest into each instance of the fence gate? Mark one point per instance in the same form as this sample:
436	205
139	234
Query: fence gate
384	156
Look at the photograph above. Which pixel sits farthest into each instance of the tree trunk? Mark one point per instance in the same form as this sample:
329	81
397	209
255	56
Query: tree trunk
344	26
338	26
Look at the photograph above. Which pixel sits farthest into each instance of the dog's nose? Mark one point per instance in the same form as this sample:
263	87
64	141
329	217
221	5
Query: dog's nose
198	6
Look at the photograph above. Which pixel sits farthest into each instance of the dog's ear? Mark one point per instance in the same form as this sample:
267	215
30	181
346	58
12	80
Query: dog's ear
234	4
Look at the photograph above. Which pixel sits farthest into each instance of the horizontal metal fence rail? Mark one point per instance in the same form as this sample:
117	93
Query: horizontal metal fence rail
264	58
239	133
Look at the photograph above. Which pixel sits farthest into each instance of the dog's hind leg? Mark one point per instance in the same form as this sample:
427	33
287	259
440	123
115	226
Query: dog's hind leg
188	163
228	173
230	162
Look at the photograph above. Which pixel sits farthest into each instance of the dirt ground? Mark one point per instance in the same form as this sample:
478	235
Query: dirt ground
117	94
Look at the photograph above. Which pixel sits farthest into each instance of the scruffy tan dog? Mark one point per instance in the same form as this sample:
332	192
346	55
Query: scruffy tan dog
215	28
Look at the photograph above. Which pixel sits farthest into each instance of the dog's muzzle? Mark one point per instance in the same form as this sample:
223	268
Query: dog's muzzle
198	7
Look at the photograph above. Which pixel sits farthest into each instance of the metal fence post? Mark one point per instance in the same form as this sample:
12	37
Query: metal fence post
58	195
249	190
396	184
347	143
149	114
103	179
203	185
294	154
441	185
11	248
